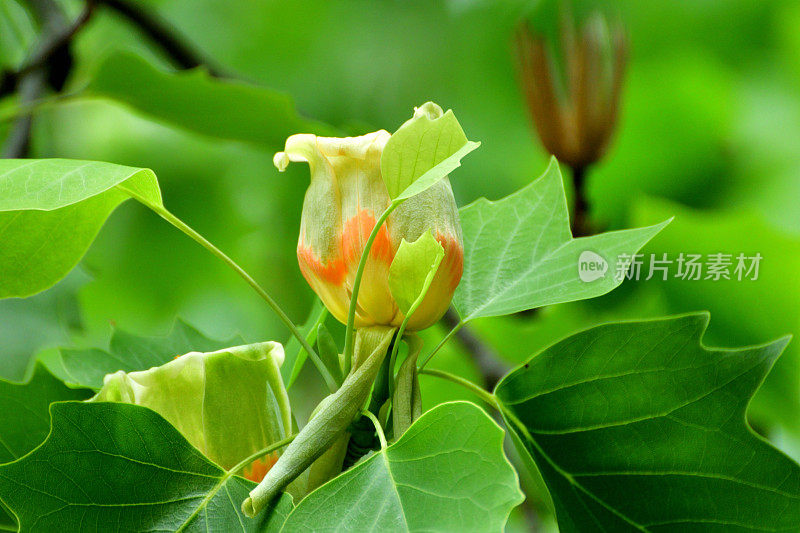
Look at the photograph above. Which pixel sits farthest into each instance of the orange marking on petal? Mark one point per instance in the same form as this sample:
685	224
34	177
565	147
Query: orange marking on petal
453	260
356	233
333	271
259	468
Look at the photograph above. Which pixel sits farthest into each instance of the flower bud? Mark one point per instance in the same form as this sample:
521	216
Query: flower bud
229	404
345	198
573	96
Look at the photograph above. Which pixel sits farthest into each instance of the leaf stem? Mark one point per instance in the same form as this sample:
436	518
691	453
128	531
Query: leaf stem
182	226
441	343
351	313
378	428
261	453
483	394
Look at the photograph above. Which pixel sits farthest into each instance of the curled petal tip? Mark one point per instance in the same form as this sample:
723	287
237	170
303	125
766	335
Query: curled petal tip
281	161
430	110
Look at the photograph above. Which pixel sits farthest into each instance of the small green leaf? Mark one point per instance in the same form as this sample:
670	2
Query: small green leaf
122	467
446	473
329	353
638	426
129	352
195	101
519	253
51	210
412	271
229	404
295	354
422	151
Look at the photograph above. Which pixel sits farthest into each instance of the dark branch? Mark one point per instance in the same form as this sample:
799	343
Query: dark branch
491	367
54	41
580	218
31	78
162	34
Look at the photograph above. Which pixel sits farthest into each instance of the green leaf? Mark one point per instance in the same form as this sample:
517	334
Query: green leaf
229	404
25	415
120	467
43	321
17	34
129	352
745	311
329	353
412	271
422	151
520	254
638	426
51	210
295	354
195	101
446	473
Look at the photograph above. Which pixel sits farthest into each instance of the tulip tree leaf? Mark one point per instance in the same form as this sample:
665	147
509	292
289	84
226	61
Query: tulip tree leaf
130	353
446	473
51	210
519	253
25	417
413	269
197	102
120	467
638	426
422	151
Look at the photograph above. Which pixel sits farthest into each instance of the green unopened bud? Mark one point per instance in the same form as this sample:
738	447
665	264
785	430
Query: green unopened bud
331	419
229	404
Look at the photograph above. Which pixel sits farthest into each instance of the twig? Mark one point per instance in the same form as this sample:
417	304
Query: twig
164	35
60	36
31	81
580	218
491	367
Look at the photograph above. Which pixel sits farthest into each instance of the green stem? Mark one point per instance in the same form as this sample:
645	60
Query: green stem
351	314
261	453
393	357
378	428
441	343
483	394
182	226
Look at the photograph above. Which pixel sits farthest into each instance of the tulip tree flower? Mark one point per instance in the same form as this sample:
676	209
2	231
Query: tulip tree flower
346	196
377	205
228	404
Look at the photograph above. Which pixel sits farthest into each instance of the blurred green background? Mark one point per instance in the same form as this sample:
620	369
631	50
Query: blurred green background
709	132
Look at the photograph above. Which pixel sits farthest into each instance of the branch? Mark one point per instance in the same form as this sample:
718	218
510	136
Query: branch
31	78
56	39
163	34
489	364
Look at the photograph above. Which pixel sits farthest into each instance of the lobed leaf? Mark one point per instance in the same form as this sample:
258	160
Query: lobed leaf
25	416
639	427
130	353
120	467
446	473
520	254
